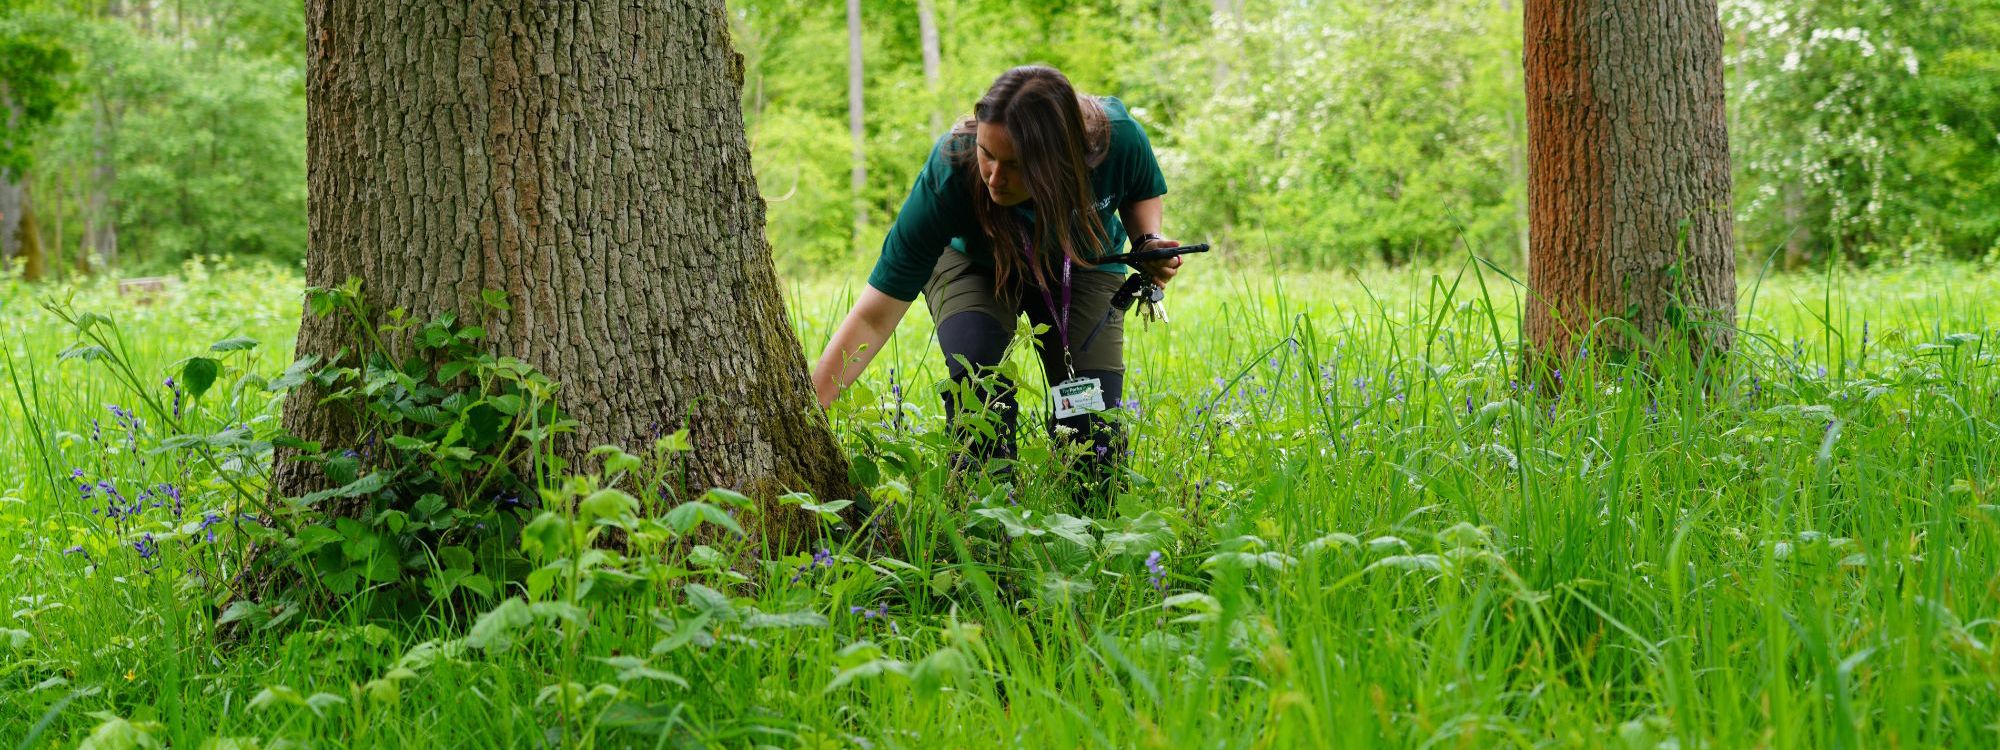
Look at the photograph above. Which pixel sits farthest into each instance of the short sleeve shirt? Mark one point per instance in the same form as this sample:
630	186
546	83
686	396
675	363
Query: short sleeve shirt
938	213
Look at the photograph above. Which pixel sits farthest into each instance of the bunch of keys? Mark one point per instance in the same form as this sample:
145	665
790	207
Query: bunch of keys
1153	303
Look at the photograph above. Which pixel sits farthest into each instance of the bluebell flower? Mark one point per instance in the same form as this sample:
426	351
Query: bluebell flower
146	547
869	614
822	558
176	388
208	520
1156	572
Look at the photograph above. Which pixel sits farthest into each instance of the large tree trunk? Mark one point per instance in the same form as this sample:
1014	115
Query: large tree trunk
588	158
1628	173
856	124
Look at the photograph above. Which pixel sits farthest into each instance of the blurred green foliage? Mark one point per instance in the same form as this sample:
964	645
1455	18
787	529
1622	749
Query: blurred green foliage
1320	133
1329	133
193	112
1869	129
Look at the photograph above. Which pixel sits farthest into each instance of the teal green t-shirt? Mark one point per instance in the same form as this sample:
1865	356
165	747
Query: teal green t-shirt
938	213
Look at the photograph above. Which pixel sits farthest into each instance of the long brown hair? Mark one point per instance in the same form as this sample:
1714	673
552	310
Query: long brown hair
1059	136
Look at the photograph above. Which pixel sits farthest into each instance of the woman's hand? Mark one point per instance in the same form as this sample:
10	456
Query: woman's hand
1162	271
855	342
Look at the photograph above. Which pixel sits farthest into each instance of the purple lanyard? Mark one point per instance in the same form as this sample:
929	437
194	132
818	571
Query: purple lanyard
1062	317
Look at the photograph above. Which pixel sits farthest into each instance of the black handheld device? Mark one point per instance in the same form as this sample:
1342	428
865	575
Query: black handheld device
1148	256
1138	286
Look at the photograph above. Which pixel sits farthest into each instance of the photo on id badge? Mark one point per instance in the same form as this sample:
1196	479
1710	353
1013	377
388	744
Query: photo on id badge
1077	396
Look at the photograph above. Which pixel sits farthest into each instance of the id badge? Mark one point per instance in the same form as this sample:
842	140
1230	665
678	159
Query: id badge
1077	396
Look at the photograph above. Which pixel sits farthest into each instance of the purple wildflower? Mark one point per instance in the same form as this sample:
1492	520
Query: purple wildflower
176	388
146	547
823	558
1156	572
208	520
869	614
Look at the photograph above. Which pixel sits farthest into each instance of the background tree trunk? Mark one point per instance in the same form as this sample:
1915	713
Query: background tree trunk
1517	146
856	124
13	198
13	187
588	158
927	32
1628	172
100	222
34	263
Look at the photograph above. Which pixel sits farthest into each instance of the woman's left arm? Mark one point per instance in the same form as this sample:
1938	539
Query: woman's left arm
1142	218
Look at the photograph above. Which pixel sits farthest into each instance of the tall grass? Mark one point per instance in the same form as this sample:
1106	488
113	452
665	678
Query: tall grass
1349	526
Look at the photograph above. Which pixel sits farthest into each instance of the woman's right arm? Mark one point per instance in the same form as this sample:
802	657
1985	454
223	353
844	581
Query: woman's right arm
856	342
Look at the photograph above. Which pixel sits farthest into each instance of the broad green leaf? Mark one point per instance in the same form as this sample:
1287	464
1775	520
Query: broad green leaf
686	516
199	374
494	630
606	503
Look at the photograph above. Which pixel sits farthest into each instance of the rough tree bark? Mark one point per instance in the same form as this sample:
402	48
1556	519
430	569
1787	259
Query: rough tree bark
1628	173
589	159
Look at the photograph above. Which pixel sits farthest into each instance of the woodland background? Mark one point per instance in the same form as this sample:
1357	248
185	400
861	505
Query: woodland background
1308	135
